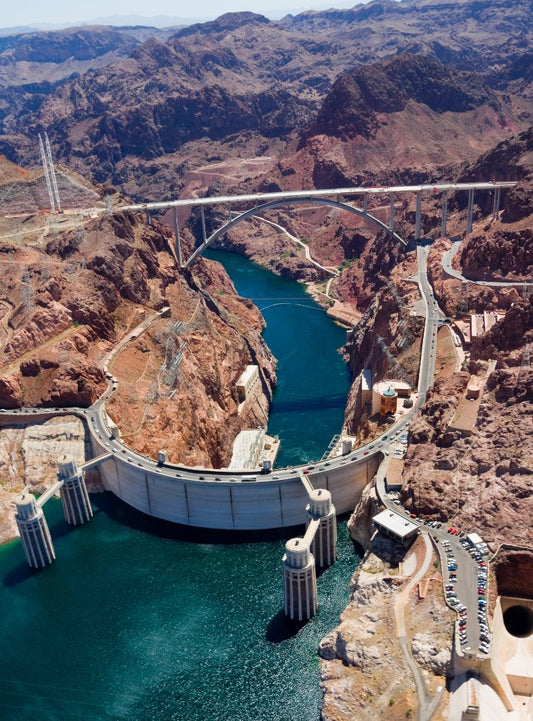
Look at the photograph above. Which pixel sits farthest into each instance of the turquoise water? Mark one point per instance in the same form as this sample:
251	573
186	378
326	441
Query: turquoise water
130	625
134	622
313	380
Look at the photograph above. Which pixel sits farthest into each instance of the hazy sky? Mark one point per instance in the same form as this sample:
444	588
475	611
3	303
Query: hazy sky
29	12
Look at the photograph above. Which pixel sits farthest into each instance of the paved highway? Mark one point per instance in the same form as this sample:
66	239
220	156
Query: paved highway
447	259
465	584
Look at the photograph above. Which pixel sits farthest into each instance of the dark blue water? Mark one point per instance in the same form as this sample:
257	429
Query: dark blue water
132	626
134	623
313	380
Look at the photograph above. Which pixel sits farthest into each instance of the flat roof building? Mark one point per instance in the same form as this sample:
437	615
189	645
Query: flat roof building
396	526
248	382
394	474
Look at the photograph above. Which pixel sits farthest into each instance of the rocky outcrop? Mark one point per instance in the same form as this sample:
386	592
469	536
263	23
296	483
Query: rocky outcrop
355	102
510	334
481	481
10	392
501	255
429	655
28	458
43	324
360	523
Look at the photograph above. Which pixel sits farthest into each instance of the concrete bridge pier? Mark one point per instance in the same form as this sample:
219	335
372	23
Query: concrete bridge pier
470	211
444	214
177	237
74	496
299	580
34	533
496	203
418	214
391	212
324	544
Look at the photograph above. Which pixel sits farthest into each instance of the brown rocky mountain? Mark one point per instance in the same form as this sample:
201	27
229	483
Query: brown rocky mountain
355	101
243	84
483	478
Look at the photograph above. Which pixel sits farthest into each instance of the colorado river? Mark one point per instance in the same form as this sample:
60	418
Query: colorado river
313	379
135	623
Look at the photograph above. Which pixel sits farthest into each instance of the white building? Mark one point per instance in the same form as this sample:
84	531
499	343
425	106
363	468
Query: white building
396	526
248	382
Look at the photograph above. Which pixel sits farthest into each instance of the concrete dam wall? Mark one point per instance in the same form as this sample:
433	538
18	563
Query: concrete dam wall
232	505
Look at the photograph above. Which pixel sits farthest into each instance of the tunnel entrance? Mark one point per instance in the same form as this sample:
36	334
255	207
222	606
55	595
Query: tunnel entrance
518	621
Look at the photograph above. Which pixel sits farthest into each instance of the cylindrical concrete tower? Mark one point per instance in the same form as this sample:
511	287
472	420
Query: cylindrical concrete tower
34	532
324	545
74	496
389	401
299	580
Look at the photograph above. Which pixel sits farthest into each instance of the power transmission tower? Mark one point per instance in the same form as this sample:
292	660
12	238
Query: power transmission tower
46	173
49	172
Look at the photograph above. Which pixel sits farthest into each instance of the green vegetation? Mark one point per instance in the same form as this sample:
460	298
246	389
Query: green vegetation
347	263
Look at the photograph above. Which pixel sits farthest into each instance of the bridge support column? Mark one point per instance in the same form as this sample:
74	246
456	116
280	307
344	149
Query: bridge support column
74	496
391	212
444	213
148	218
496	204
418	214
299	580
365	203
177	237
324	544
34	533
204	234
470	211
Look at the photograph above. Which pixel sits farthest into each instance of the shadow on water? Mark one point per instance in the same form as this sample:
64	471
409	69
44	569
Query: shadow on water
318	403
120	512
19	574
281	628
22	572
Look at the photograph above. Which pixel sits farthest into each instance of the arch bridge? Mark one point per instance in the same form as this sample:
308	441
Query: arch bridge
334	197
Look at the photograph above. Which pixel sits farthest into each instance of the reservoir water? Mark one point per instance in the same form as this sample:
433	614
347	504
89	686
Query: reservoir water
133	622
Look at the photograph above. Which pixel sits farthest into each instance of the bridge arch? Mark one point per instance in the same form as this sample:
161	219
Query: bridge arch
283	203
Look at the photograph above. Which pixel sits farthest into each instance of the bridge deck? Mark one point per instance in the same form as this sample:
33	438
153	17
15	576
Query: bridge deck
285	195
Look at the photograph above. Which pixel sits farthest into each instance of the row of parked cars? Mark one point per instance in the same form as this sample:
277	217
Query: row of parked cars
451	596
484	637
